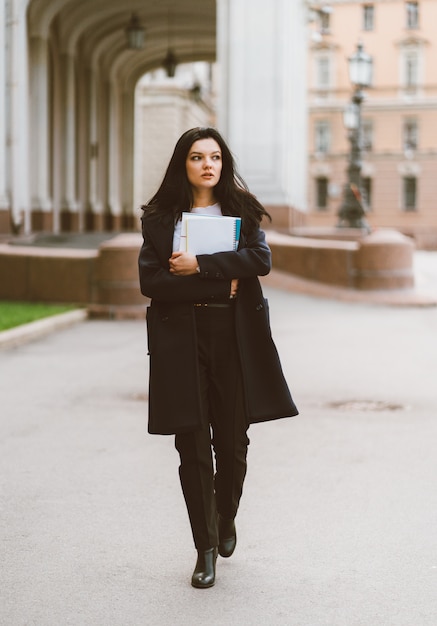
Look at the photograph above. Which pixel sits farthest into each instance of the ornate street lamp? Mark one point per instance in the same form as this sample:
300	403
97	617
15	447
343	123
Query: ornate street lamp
135	33
170	63
352	213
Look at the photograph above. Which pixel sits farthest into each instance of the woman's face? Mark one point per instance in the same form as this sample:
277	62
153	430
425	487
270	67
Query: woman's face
204	164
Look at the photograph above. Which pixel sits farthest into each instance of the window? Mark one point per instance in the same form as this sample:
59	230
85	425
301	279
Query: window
324	21
322	135
368	16
367	135
366	186
322	192
411	68
323	72
410	193
410	134
412	9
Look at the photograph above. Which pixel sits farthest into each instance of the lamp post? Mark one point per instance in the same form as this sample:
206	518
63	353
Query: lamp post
352	213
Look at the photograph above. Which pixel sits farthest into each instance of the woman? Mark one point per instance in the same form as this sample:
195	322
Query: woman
214	368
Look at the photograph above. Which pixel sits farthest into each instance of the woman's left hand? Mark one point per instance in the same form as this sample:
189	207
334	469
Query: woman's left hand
183	264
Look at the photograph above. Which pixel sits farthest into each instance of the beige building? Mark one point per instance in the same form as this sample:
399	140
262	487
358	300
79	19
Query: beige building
399	113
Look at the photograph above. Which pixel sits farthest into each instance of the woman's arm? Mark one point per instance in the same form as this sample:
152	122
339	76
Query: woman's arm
157	282
253	259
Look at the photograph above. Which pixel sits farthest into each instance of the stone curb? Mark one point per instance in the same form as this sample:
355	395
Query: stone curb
34	330
398	298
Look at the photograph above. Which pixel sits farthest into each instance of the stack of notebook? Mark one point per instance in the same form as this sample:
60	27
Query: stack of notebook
207	234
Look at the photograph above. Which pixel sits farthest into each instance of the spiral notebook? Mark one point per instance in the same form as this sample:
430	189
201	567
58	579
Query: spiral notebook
207	234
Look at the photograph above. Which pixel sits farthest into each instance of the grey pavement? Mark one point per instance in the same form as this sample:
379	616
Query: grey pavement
338	521
425	271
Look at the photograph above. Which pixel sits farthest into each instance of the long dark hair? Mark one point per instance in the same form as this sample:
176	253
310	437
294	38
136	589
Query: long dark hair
175	195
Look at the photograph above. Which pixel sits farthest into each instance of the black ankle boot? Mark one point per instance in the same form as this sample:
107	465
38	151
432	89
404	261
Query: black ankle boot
227	536
204	572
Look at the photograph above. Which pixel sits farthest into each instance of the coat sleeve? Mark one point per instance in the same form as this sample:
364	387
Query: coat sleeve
156	282
253	258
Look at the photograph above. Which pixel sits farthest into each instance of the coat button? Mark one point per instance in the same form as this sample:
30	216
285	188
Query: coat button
164	319
259	307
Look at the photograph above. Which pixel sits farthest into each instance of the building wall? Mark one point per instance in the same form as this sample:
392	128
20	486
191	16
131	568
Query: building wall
163	113
390	103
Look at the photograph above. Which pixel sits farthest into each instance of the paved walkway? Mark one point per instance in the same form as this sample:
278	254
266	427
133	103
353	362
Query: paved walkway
337	526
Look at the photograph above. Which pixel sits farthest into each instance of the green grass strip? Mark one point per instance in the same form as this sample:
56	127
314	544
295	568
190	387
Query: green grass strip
16	313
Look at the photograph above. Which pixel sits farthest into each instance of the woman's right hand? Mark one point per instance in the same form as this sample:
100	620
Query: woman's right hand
234	288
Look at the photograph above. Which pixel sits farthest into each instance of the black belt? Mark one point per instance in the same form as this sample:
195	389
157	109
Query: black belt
215	305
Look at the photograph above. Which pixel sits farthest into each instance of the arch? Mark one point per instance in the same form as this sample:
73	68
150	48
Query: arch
88	146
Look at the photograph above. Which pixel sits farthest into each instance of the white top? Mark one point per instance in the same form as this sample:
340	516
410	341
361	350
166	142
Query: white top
213	209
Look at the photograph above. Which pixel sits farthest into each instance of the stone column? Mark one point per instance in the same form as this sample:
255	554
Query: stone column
94	206
103	171
84	147
4	202
128	160
39	127
262	95
114	153
17	117
69	206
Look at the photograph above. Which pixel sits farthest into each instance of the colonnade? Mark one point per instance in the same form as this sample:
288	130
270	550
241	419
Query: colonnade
67	85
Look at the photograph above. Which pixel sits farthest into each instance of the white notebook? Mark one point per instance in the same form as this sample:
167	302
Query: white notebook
207	234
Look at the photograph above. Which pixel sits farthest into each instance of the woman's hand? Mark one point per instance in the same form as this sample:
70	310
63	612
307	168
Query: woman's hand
234	288
183	264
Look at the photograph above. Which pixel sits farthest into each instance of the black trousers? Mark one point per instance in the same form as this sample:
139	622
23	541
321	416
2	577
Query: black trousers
210	484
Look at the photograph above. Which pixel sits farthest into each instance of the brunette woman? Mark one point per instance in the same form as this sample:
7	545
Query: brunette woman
214	368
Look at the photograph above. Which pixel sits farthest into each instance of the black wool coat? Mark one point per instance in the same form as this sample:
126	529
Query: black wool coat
174	397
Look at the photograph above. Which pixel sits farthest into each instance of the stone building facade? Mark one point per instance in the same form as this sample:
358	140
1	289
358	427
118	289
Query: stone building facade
164	110
399	138
67	83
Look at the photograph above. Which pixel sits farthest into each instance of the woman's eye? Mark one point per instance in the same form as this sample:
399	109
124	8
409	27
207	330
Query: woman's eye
216	157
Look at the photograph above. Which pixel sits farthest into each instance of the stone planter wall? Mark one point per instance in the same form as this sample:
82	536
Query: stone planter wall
106	280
